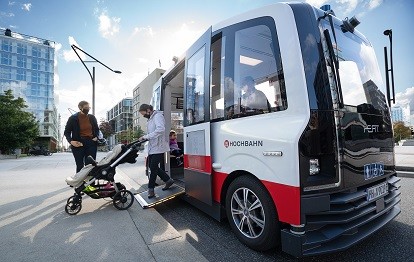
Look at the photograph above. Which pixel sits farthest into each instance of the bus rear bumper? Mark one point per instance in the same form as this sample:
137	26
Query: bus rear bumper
349	220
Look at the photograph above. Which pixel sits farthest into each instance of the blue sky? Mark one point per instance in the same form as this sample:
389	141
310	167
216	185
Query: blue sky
133	36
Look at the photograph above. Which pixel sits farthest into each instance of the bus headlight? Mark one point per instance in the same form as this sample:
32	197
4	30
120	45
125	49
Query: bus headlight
313	166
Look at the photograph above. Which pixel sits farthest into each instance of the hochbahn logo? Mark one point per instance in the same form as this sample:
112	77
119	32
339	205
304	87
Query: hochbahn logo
241	143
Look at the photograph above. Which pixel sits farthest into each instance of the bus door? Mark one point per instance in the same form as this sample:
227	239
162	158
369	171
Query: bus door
197	157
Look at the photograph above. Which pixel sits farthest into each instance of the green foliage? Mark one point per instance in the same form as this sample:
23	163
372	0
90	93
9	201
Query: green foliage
401	131
139	132
18	128
128	136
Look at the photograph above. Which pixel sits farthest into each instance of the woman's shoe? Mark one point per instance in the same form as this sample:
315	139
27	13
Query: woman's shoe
168	184
151	193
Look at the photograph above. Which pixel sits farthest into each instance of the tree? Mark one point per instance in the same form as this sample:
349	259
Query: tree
138	133
401	131
129	135
105	128
18	128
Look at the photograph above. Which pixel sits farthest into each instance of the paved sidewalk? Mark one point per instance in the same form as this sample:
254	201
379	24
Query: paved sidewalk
404	160
35	227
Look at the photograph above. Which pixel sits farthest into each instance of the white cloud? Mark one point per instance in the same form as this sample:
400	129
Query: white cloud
179	37
144	30
70	55
405	98
4	14
11	3
374	4
347	7
27	6
108	26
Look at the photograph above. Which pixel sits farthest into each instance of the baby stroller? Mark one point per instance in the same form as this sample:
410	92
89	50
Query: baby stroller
97	179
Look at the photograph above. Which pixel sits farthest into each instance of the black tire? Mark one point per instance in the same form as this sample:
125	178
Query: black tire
70	199
73	208
123	199
257	228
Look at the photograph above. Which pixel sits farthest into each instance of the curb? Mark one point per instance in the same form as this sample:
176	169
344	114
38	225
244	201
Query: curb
404	168
161	238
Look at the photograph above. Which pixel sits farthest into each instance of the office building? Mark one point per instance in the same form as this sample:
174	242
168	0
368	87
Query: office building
142	94
120	119
27	68
401	114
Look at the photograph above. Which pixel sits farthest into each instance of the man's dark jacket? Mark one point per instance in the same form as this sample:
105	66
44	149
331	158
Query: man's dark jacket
72	129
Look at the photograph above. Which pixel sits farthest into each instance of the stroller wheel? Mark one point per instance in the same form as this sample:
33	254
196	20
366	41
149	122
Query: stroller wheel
73	208
123	199
72	198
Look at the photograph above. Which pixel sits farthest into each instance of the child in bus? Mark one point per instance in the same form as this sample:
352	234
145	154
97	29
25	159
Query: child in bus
174	149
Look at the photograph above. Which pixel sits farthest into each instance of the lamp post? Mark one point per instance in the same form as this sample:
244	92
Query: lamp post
388	32
92	75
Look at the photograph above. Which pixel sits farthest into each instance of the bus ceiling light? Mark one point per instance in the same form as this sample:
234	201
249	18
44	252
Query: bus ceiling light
313	166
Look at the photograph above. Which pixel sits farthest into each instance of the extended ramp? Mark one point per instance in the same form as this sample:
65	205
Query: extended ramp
160	195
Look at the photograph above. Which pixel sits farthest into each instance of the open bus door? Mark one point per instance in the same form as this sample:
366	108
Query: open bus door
197	157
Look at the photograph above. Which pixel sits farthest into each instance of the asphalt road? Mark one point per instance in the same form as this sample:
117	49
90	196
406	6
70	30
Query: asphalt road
216	241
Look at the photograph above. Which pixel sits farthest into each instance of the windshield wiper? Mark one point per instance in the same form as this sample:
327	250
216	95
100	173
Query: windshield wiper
335	65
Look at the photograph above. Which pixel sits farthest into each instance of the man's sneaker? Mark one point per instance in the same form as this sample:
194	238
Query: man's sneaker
151	193
168	184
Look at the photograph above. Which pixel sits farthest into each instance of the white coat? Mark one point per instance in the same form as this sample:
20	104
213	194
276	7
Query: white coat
157	142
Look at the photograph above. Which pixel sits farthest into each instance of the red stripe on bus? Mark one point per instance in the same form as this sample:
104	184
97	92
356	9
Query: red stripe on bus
285	197
217	184
200	163
287	201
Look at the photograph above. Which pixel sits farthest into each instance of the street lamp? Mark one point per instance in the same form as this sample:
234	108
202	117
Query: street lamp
92	75
388	32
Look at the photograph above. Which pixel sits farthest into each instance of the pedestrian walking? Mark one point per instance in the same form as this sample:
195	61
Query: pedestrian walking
157	146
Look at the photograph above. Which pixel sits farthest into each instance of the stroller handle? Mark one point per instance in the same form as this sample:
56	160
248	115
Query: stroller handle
136	144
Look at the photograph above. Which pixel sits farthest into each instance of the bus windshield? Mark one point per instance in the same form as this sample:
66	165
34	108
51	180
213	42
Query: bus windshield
360	78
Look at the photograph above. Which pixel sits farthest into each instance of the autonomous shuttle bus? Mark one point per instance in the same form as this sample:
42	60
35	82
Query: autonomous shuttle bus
285	126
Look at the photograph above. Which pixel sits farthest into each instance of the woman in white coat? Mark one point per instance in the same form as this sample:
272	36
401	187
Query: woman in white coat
157	146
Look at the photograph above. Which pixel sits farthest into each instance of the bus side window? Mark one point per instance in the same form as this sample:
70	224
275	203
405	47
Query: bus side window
217	78
195	88
258	74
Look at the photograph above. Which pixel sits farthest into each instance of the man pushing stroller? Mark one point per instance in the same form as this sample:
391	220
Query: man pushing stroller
157	146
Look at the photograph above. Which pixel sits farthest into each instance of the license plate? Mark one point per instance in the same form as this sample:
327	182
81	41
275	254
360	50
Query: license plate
373	170
377	191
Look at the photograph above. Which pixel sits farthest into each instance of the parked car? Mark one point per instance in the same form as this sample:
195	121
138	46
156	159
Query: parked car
37	151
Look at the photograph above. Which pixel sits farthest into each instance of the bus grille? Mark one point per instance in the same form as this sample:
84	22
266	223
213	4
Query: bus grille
350	219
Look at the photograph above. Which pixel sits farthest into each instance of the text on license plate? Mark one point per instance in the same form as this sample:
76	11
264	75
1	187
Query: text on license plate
377	191
373	170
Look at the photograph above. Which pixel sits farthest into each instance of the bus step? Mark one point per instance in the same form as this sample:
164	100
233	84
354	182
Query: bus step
160	195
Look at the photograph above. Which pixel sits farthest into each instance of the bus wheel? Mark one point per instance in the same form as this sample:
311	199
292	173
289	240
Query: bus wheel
252	214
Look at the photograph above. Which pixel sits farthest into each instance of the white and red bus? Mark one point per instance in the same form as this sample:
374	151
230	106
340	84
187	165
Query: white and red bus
305	158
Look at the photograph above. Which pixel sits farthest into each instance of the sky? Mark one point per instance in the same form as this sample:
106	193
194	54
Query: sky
135	37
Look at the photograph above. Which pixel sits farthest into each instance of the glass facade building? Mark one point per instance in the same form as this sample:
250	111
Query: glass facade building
120	118
27	68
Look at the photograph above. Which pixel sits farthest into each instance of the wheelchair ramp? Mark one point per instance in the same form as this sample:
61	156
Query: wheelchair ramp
160	195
